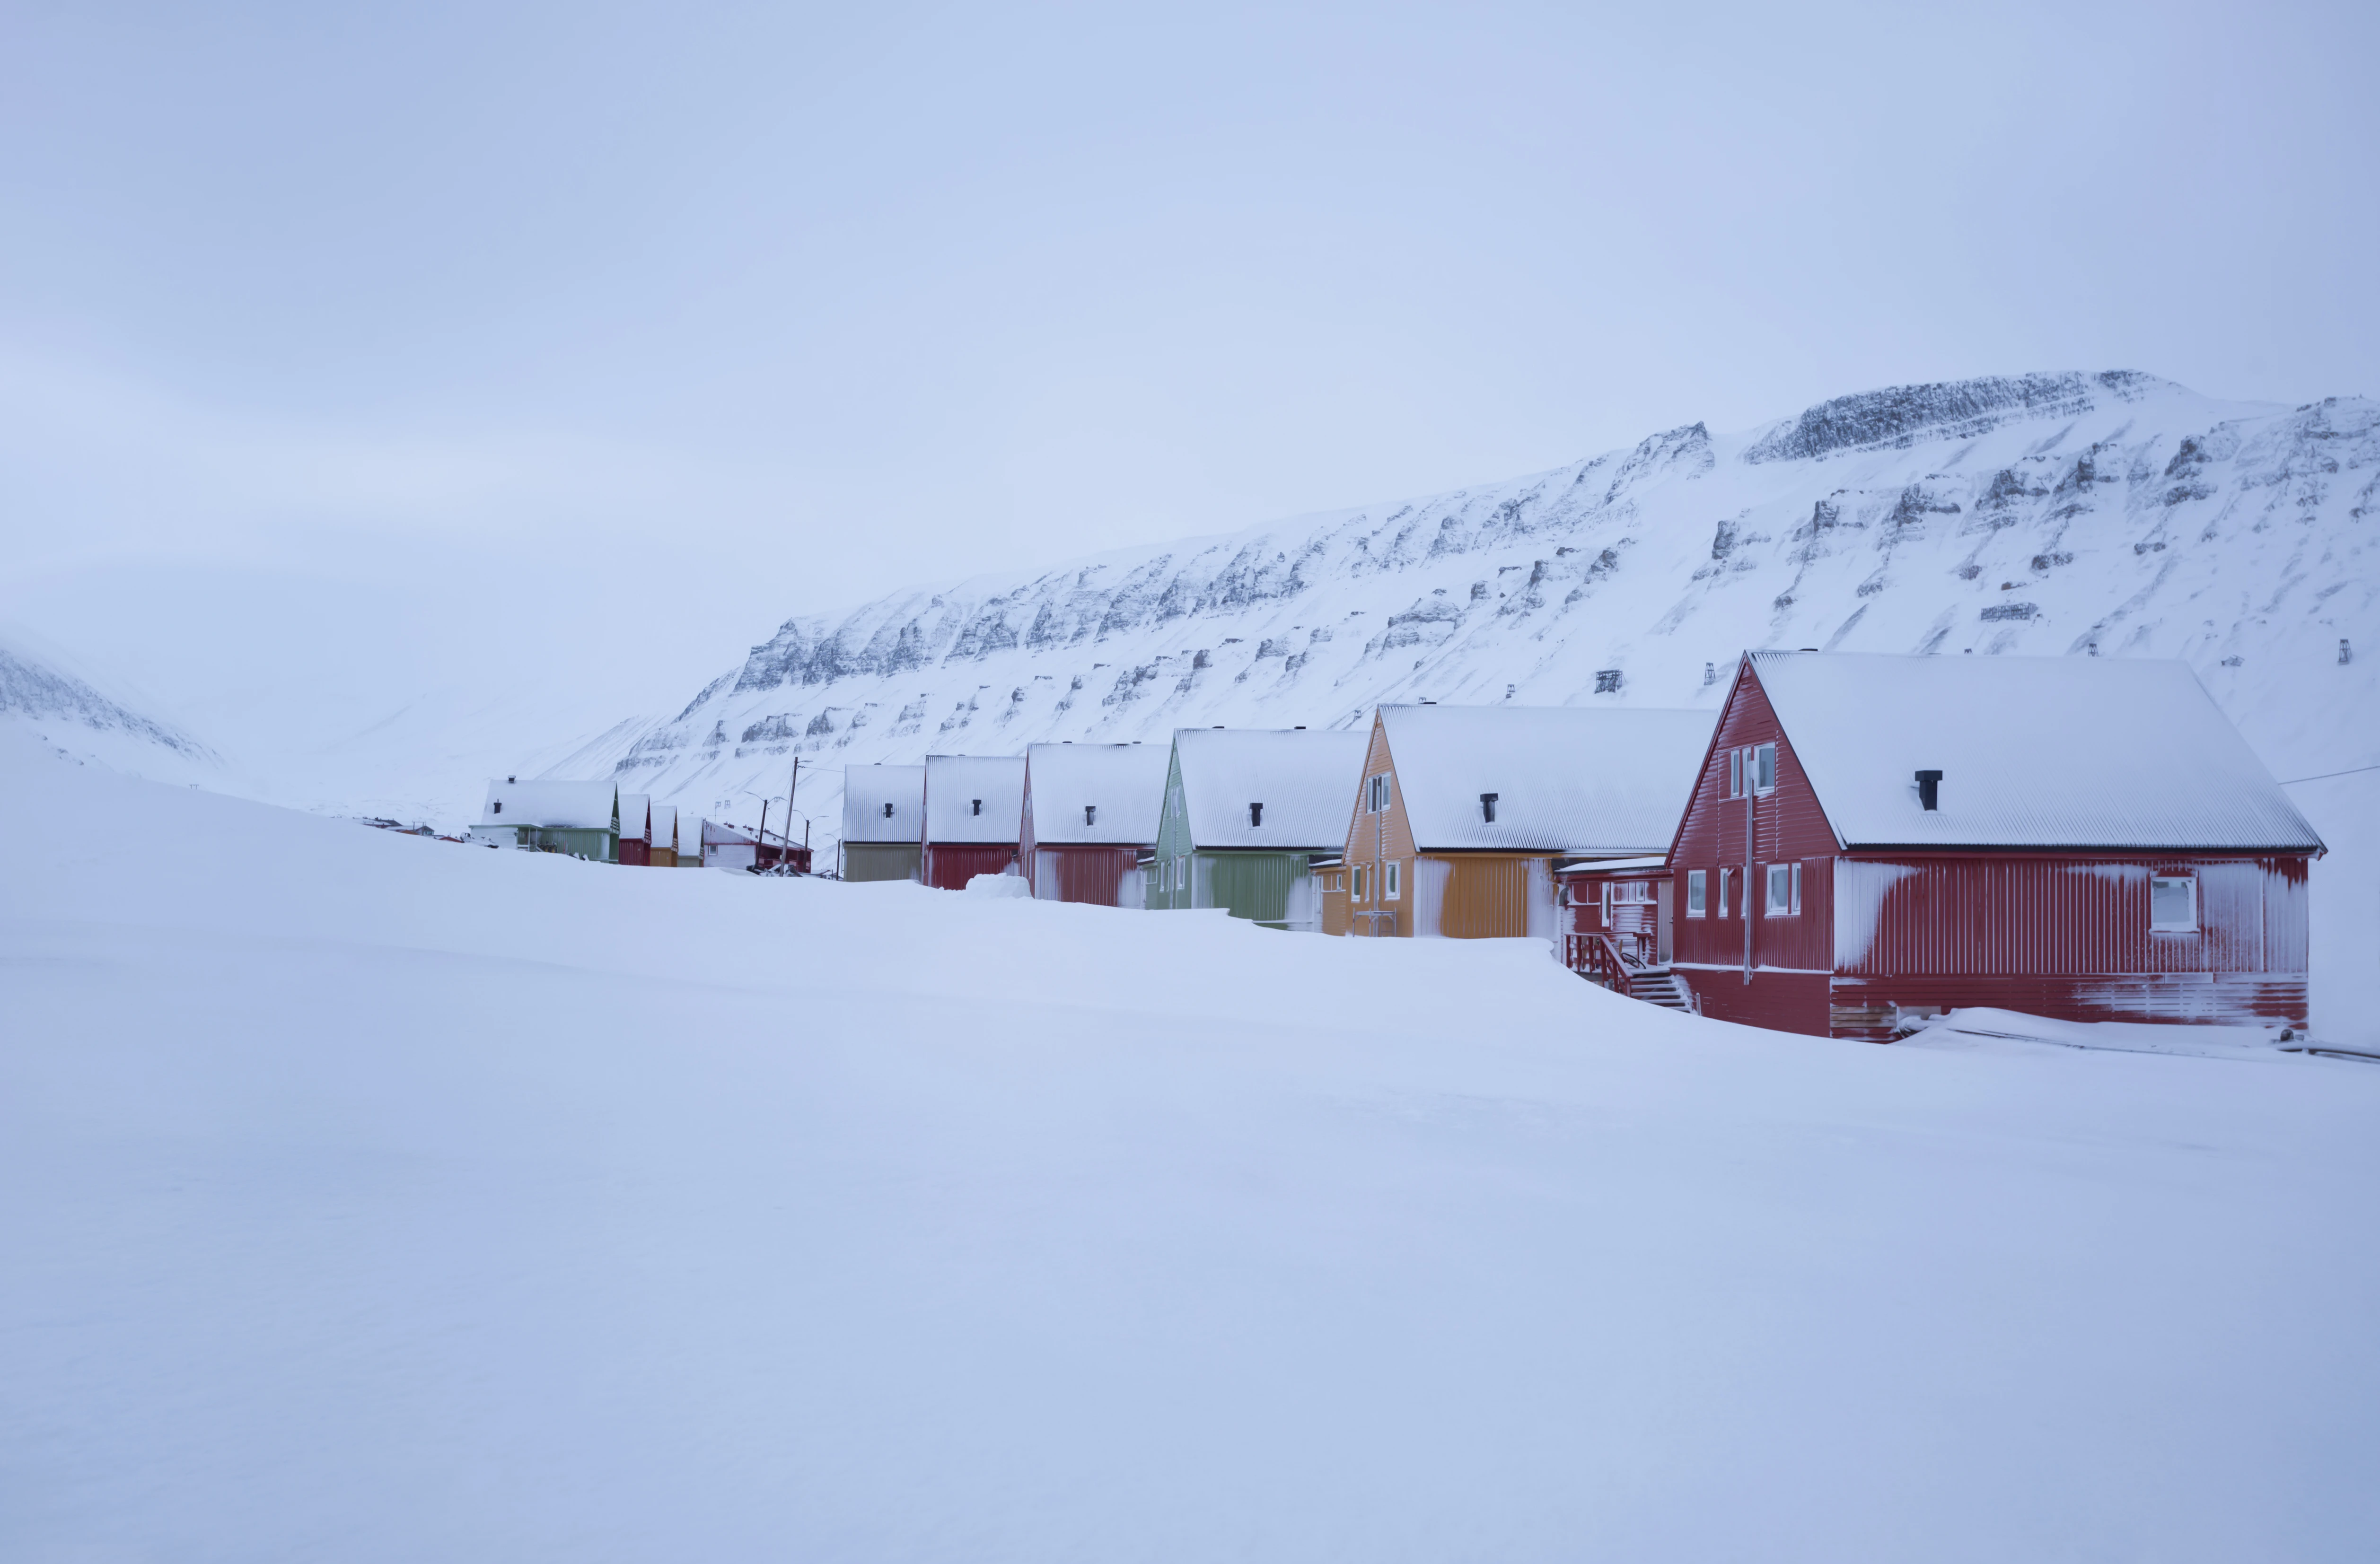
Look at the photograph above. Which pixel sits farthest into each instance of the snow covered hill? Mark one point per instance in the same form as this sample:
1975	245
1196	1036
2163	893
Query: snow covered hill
53	708
368	1199
2106	514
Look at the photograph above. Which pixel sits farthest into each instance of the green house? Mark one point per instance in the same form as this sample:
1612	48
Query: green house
1246	813
578	819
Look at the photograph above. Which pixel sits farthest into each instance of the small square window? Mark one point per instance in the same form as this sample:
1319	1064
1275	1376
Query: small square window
2173	904
1698	880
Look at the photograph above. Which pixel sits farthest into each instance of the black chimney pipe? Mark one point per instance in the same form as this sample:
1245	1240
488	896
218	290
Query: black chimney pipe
1929	785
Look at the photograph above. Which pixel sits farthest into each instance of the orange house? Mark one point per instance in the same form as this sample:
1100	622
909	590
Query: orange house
1463	811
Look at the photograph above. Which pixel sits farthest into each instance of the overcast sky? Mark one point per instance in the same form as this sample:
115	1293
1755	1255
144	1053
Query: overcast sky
348	351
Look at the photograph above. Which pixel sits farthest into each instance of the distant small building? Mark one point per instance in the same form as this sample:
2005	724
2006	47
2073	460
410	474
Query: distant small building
579	819
636	829
1254	823
974	818
883	822
724	847
663	850
1464	812
1874	839
1090	814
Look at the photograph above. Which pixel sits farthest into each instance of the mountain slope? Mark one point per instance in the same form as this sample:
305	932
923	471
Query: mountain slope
55	710
2085	514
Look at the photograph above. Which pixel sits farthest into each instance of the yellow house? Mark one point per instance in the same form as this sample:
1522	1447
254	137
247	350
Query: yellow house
1462	811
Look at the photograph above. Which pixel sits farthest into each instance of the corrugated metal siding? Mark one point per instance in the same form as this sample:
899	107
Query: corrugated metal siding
1871	1007
879	860
1089	875
948	865
2063	917
1783	1001
1487	898
1252	885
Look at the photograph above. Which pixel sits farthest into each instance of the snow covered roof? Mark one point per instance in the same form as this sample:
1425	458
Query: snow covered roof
1306	782
1603	781
975	797
1123	783
717	835
665	825
582	805
2033	752
867	792
1617	866
635	816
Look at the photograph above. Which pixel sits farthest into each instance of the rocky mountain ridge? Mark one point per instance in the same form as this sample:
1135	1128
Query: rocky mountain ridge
2106	513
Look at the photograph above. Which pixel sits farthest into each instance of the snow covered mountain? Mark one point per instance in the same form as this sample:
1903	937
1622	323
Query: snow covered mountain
49	707
2104	515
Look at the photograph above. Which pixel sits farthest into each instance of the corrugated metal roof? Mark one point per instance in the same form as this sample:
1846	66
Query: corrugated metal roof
2033	752
1125	782
1306	782
866	790
953	784
635	816
1602	781
665	825
570	806
717	835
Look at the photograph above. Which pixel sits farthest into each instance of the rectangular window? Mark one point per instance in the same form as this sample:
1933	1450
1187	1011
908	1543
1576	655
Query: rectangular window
1764	769
1780	891
1726	879
1359	885
1696	882
1389	883
1376	794
2173	903
1797	887
1735	773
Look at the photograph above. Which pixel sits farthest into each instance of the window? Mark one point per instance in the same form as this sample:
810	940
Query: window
1735	773
1487	806
1359	885
1763	768
1376	794
1388	881
1781	889
1697	883
1726	879
2173	903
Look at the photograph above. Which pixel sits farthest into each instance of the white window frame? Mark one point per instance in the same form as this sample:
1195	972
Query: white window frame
1392	886
1697	891
1779	877
1726	879
1735	773
1358	893
1763	768
2190	880
1375	794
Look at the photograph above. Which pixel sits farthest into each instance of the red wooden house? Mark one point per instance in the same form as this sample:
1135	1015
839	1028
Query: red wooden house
637	829
974	809
1874	839
1090	814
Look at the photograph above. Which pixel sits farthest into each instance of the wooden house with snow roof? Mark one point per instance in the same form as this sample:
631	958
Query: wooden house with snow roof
662	852
883	822
974	818
1874	839
1090	814
1462	813
635	830
578	819
1249	815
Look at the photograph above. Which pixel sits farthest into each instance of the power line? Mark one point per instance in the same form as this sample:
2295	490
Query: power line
2327	775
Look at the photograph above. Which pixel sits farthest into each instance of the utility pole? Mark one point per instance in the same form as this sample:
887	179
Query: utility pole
764	833
792	788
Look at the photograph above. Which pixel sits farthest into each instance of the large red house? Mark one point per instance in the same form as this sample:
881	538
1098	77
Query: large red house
1874	839
974	808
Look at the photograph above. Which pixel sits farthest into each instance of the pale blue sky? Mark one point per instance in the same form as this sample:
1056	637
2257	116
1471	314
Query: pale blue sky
426	329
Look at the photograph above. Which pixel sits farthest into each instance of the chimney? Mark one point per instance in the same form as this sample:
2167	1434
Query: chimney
1488	807
1929	785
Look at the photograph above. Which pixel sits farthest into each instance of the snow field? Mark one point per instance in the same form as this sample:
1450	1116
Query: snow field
374	1198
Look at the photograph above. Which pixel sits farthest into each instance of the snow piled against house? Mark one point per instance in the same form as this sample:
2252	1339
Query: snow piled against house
383	1199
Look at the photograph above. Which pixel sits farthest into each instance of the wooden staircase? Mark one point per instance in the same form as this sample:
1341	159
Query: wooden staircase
1599	959
1659	986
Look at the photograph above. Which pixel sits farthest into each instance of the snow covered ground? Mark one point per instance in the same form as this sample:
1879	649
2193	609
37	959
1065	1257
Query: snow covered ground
372	1198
